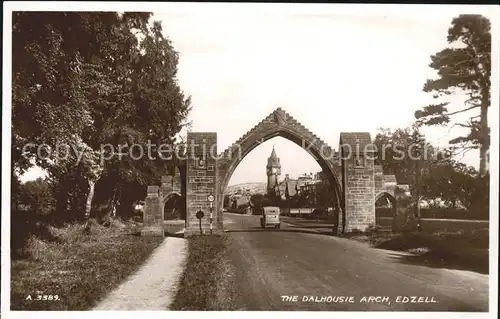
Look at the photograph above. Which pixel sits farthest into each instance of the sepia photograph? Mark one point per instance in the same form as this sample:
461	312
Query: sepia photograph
254	158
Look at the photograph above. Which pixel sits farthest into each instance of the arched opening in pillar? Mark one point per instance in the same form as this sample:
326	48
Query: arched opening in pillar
280	172
173	207
385	210
174	213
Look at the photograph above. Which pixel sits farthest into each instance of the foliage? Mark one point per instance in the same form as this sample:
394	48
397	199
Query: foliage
324	193
465	67
400	151
441	177
455	182
97	265
258	201
467	249
198	285
85	80
37	196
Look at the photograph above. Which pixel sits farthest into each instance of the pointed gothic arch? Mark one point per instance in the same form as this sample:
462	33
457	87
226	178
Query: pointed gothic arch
355	179
172	203
278	123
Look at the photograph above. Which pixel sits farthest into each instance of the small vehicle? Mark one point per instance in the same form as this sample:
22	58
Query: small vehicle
270	217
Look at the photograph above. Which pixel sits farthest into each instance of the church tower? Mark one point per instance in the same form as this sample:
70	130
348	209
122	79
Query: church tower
273	170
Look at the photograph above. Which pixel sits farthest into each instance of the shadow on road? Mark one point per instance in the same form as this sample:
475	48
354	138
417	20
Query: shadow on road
309	224
180	235
433	261
289	230
312	226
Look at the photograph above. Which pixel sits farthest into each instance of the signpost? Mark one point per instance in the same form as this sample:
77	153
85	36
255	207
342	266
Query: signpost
211	199
199	215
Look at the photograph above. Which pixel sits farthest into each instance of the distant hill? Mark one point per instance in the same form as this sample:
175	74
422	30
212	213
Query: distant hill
246	188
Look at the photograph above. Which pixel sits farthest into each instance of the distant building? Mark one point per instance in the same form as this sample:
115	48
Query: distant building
287	186
237	200
273	170
306	182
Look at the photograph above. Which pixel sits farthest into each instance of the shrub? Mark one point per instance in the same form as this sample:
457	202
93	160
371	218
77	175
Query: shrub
37	196
454	213
24	225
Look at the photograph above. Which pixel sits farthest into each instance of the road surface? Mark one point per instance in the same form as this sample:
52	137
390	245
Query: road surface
288	269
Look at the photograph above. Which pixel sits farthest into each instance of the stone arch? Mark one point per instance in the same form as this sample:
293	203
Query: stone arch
389	196
204	174
290	135
278	123
167	198
382	219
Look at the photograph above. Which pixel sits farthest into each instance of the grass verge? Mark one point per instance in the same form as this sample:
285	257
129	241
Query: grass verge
199	284
466	250
80	269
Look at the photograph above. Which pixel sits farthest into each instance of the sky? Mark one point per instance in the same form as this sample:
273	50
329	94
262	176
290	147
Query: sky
332	72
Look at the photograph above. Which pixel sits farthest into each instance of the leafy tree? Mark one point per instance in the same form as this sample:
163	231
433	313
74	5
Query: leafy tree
287	192
463	68
226	201
91	79
455	182
400	150
406	154
37	196
258	201
15	189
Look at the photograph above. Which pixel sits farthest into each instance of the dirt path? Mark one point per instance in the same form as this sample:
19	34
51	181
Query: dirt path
154	286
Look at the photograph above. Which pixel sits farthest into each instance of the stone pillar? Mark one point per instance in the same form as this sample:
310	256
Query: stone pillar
176	182
201	179
221	168
359	189
166	186
153	214
379	176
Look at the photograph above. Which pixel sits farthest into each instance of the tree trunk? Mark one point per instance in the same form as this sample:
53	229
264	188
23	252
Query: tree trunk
111	208
62	198
417	194
485	140
483	159
88	206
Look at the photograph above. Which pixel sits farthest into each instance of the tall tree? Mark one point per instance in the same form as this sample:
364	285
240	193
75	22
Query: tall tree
91	79
398	153
37	196
454	182
464	67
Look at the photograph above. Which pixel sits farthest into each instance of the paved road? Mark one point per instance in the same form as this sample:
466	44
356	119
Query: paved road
269	264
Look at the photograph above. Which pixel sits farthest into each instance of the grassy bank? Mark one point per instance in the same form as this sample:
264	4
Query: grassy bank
467	249
79	268
200	281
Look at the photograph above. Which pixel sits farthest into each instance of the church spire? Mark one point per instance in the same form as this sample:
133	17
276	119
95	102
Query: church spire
273	154
273	169
273	160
